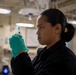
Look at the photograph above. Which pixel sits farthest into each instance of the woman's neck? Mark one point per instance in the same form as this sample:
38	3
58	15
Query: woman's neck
52	43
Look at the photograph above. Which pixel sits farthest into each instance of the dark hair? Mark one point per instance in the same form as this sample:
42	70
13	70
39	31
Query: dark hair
55	16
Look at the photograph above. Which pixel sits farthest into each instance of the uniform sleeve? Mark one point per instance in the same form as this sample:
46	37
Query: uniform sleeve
22	65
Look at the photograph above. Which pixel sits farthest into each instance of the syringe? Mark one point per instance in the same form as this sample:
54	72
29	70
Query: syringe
19	29
19	33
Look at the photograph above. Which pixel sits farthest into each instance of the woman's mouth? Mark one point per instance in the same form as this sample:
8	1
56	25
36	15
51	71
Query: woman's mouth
38	38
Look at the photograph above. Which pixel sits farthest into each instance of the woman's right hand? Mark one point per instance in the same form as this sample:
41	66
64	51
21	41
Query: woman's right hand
17	45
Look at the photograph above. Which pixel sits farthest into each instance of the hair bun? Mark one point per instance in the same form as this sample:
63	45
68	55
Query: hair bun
69	32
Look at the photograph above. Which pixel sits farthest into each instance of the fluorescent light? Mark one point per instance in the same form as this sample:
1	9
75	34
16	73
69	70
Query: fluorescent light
25	24
4	11
72	22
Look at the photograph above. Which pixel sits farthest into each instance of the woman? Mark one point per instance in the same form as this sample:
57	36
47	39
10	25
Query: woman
55	58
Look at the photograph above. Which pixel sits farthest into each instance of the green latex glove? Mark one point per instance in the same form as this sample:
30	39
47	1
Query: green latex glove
17	44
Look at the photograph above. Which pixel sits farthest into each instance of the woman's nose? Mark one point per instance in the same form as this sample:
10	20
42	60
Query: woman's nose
37	32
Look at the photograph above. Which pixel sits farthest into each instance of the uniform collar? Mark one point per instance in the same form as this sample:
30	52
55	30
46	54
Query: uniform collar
54	48
58	45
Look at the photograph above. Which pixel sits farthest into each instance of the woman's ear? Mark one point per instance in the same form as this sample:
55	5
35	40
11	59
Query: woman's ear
58	28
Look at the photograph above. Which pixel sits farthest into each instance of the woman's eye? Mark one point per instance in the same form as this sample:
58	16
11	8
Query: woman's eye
40	27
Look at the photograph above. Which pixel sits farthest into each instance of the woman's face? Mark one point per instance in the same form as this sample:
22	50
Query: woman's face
46	32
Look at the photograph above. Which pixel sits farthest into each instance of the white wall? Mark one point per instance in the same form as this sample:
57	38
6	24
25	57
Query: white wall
74	43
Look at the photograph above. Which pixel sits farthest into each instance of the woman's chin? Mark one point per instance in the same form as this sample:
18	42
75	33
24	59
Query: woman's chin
41	43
